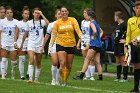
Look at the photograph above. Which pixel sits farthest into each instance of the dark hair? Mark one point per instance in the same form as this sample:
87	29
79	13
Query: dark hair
57	11
119	14
9	8
62	7
2	7
91	13
37	8
25	8
86	9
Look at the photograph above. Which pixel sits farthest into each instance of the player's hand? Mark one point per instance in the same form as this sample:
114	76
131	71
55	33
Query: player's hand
42	49
87	47
15	45
78	46
122	41
50	49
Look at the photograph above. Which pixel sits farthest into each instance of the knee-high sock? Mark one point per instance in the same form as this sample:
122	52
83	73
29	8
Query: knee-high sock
0	65
21	65
136	79
37	73
3	63
119	70
54	72
31	70
64	73
57	76
6	66
92	70
14	64
87	73
125	72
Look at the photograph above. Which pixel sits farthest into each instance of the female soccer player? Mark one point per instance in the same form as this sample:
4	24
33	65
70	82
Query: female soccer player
54	58
64	32
85	26
21	28
95	46
7	31
35	40
119	46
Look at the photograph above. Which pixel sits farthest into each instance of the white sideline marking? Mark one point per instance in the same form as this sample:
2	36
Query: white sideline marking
75	87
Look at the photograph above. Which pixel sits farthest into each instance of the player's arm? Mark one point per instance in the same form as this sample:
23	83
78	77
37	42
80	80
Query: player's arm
94	30
101	32
44	18
16	37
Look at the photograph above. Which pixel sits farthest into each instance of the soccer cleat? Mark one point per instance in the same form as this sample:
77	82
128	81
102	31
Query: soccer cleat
57	83
134	91
78	78
63	84
53	82
116	80
3	77
86	78
22	78
29	81
92	78
123	80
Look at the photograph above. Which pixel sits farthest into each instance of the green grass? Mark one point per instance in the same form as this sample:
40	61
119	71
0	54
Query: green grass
105	86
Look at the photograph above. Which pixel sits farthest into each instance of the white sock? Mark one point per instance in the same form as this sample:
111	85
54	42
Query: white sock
6	66
37	73
31	71
21	65
54	71
28	69
87	72
3	63
14	64
92	70
57	76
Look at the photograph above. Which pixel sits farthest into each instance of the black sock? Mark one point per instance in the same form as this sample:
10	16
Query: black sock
119	70
100	77
136	79
82	74
125	72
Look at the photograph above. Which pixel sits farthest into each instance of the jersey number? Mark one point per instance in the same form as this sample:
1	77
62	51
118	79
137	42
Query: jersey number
37	32
10	33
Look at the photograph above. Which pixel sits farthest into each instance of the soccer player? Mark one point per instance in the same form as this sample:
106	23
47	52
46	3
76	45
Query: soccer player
2	16
133	31
35	40
64	32
120	34
54	58
85	26
21	28
95	46
7	31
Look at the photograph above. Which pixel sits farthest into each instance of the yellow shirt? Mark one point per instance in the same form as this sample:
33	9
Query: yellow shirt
133	29
64	30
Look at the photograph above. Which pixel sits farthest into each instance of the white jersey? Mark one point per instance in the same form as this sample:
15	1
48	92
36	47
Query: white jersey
22	26
85	26
36	35
49	31
7	29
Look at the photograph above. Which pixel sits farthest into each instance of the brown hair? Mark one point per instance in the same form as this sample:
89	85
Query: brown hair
119	14
86	9
9	8
36	8
2	7
25	8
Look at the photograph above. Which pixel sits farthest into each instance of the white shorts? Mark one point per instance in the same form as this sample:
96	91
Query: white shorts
24	48
9	48
53	49
35	49
84	44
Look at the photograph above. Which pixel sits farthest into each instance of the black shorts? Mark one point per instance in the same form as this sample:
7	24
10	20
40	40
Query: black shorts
119	49
68	50
135	54
97	49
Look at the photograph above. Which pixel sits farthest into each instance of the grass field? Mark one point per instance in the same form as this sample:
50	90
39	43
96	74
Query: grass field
105	86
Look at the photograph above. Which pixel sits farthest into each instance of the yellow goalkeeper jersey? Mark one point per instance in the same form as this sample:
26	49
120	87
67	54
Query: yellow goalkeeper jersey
133	29
64	31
